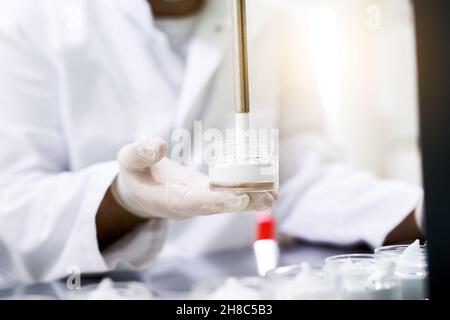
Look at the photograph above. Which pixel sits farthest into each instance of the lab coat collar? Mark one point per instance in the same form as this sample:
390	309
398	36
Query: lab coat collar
140	13
205	53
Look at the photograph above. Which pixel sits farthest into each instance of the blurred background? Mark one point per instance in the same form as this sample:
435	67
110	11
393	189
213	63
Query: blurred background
365	64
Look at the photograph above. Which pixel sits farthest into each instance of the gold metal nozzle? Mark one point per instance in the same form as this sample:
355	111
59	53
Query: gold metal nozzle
241	52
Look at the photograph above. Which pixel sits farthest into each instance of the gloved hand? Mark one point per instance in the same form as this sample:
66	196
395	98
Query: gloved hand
151	186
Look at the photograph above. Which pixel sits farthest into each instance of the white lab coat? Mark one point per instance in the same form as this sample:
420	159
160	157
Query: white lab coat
81	78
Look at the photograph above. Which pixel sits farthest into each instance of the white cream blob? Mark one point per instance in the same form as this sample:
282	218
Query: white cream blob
243	172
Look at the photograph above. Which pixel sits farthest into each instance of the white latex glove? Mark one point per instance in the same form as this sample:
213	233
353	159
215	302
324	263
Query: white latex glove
151	186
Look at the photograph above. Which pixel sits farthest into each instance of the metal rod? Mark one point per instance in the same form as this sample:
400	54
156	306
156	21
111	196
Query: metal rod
241	72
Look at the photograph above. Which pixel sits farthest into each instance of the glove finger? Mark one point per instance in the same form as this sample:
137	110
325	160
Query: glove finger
141	156
261	201
274	195
168	171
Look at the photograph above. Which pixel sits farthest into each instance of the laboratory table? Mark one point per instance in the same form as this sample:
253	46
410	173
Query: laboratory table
174	277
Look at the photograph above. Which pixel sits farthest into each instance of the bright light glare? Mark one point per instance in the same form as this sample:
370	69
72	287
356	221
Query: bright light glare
323	40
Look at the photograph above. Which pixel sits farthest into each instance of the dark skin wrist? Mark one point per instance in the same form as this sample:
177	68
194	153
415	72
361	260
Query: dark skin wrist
406	231
162	8
113	221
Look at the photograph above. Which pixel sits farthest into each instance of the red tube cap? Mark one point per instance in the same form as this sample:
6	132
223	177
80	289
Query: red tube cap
266	229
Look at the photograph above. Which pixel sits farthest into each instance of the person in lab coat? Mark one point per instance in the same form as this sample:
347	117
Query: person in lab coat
81	80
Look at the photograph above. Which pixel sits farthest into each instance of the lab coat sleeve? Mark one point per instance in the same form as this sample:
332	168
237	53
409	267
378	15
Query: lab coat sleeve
321	198
47	212
325	200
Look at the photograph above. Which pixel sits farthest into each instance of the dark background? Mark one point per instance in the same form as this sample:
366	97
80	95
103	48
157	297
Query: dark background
433	44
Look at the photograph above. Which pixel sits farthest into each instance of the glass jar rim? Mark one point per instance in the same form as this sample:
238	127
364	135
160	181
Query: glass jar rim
353	256
396	248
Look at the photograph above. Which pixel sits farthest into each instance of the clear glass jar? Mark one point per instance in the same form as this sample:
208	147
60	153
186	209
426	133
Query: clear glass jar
301	282
413	276
411	271
363	277
383	282
254	169
393	251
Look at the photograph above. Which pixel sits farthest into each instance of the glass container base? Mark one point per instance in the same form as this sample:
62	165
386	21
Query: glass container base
245	187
